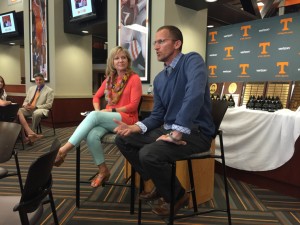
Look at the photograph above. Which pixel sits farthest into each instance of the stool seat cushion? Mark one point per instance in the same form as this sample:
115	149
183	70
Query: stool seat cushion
109	138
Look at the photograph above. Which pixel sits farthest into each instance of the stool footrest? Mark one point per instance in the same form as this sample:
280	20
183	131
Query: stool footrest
198	213
116	184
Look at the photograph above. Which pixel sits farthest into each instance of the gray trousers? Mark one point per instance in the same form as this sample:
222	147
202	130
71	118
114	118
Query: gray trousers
151	158
36	116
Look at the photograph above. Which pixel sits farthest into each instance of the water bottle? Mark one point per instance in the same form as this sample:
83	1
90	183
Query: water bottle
149	91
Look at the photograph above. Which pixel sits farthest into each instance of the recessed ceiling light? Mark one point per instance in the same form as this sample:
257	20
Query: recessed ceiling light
12	43
210	26
211	0
85	31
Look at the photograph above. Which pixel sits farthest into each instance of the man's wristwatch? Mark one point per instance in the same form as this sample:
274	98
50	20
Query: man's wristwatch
113	110
171	136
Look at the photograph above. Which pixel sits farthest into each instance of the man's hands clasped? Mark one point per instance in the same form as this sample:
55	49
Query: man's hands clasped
173	137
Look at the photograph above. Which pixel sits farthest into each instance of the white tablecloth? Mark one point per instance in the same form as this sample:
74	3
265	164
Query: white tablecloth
257	140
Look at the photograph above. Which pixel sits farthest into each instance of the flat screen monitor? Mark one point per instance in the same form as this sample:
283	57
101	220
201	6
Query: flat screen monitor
82	10
8	24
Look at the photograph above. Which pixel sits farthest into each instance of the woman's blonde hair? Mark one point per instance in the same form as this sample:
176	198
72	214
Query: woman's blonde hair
110	68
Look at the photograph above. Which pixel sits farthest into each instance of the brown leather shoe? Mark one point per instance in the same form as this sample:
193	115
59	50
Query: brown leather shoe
164	209
150	196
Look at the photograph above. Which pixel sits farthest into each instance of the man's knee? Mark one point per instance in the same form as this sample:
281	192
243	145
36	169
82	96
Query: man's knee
147	155
38	112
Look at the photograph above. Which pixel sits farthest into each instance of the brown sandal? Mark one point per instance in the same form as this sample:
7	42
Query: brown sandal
34	137
99	179
60	158
28	142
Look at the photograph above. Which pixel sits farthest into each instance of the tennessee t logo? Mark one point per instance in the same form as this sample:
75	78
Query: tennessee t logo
244	67
282	66
212	69
228	50
212	34
263	46
285	23
245	29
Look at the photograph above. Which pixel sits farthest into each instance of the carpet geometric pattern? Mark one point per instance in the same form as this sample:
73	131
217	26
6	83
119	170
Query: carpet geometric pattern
109	205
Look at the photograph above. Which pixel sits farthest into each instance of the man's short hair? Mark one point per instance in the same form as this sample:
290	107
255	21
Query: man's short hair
38	75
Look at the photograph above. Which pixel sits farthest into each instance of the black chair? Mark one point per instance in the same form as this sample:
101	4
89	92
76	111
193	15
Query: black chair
219	109
9	134
9	113
37	192
108	138
39	127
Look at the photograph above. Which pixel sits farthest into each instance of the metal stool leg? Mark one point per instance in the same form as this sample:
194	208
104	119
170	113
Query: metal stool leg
140	201
132	190
172	202
78	176
193	191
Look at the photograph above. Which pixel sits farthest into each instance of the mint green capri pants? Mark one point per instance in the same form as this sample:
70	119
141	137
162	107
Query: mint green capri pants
92	129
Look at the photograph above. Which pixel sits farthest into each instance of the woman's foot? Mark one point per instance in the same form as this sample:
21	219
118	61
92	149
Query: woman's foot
99	179
34	137
60	158
26	141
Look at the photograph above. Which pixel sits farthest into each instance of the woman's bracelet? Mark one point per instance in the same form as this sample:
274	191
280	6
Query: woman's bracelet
113	110
171	136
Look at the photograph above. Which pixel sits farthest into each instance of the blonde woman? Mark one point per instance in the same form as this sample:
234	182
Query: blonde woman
122	89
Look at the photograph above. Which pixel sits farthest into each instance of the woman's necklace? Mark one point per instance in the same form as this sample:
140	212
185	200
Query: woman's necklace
115	87
118	83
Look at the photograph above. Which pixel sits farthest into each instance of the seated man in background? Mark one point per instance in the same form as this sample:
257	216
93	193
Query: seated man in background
31	136
38	101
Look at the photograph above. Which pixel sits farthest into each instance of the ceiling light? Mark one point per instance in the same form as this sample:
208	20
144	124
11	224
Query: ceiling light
85	31
210	26
211	0
12	43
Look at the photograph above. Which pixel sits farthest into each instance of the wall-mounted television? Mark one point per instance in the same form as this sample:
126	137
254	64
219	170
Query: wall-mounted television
82	10
8	24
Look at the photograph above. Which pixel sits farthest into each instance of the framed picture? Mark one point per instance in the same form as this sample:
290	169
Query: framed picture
134	34
39	58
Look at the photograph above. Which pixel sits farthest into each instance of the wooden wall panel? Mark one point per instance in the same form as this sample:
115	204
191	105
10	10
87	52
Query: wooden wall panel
66	111
15	88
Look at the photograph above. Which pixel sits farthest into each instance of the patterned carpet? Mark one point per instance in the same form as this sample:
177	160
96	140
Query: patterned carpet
110	205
